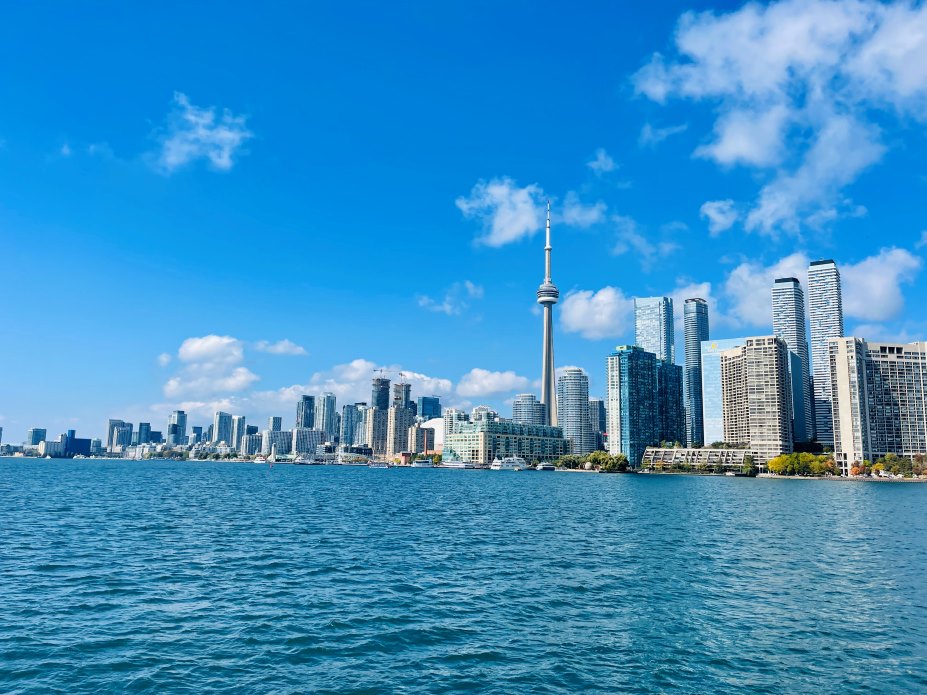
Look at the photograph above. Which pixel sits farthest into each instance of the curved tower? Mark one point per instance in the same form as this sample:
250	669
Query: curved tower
548	294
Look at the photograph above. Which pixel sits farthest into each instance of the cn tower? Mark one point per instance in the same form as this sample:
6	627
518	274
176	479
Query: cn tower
548	294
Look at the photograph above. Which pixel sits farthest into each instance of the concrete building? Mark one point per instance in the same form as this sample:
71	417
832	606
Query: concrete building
482	441
712	402
421	439
306	440
548	294
825	316
757	396
110	424
305	412
879	400
695	322
398	422
376	421
654	330
633	422
402	395
326	415
283	439
251	444
573	410
239	427
788	306
453	419
704	458
351	416
222	428
527	409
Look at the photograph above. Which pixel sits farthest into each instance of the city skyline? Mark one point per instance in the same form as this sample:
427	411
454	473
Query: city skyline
186	213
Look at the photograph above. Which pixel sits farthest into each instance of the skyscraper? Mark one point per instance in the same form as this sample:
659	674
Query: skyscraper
351	416
632	402
326	415
597	417
527	409
275	423
379	393
398	422
222	428
712	403
239	428
402	394
573	410
110	424
305	412
695	319
788	305
653	327
37	435
671	410
825	316
178	418
429	407
548	294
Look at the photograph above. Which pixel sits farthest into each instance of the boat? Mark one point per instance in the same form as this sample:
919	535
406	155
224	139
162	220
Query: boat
731	473
377	464
423	463
302	460
260	459
545	466
508	463
456	463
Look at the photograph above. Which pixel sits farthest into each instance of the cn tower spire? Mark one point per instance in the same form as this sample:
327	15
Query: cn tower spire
548	294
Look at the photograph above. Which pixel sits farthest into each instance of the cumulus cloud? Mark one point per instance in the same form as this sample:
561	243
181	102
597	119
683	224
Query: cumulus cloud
872	288
605	313
455	300
578	214
748	288
281	347
630	240
211	365
602	163
923	240
506	211
798	87
721	215
164	359
651	136
194	133
478	383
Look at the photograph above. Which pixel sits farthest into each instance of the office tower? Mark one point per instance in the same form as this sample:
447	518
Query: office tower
275	423
548	294
379	394
597	419
37	435
695	322
122	436
573	410
144	432
421	439
110	424
239	426
402	395
306	440
825	316
788	306
879	400
632	402
399	420
326	415
222	428
429	407
251	444
376	426
757	396
206	436
178	418
653	327
712	402
252	429
351	415
305	411
154	437
197	432
453	418
527	409
671	410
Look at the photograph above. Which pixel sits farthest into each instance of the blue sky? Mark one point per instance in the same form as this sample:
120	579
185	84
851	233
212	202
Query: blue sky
182	188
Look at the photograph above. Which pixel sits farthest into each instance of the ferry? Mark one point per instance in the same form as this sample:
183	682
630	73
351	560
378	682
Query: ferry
508	463
377	464
545	466
456	463
423	463
302	460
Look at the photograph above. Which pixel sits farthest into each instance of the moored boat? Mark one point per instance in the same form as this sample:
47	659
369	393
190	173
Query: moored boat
508	463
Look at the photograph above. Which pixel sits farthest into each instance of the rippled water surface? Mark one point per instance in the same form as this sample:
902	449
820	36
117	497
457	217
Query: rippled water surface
202	577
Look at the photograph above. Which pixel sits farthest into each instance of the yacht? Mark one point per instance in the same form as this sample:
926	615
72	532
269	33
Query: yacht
545	466
456	463
508	463
302	460
260	459
423	463
377	464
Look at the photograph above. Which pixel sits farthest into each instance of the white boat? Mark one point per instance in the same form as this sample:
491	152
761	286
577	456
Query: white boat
423	463
546	466
508	463
260	459
302	460
456	463
377	464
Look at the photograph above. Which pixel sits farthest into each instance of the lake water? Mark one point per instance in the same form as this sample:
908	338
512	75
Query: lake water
209	577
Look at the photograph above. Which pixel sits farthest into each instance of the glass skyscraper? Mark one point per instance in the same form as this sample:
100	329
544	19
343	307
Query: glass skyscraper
305	412
695	316
653	326
632	402
326	417
379	394
712	402
222	428
527	409
825	316
788	305
573	410
429	407
671	412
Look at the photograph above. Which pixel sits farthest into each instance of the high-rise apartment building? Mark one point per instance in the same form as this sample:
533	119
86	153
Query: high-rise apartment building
421	439
275	423
788	306
631	402
695	323
429	407
757	396
37	435
305	412
379	394
453	419
671	410
653	327
402	395
825	316
122	436
573	410
239	427
527	409
222	428
279	442
597	418
251	444
376	421
879	400
398	422
351	416
326	415
178	435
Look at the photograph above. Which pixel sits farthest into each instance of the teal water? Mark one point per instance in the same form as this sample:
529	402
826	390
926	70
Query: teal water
204	577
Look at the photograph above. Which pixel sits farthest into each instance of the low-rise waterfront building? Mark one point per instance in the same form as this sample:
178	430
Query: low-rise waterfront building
481	441
737	460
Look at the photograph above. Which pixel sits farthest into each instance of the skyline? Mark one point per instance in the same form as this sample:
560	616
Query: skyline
155	197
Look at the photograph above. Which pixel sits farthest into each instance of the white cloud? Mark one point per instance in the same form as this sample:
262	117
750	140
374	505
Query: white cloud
65	150
194	133
212	365
721	215
164	359
281	347
629	239
923	240
602	163
748	288
605	313
872	287
577	214
507	212
456	298
212	348
651	136
797	87
478	383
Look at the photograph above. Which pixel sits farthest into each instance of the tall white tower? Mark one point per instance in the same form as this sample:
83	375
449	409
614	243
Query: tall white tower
548	294
825	316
